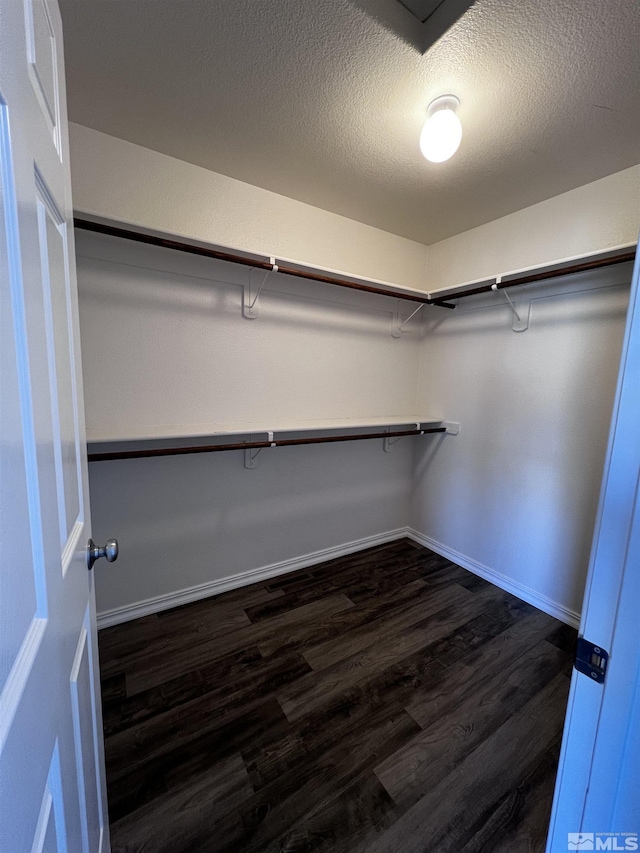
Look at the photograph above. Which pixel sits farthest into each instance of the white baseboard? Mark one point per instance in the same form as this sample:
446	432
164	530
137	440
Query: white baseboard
173	599
194	593
570	617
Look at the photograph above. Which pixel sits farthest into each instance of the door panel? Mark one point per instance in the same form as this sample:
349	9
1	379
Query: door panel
599	769
83	738
46	839
50	833
42	59
53	254
52	794
22	591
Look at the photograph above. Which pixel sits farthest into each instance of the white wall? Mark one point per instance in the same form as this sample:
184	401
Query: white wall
514	496
516	493
166	350
119	181
185	521
600	215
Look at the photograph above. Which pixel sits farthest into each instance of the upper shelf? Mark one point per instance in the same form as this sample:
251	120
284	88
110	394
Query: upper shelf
270	264
543	272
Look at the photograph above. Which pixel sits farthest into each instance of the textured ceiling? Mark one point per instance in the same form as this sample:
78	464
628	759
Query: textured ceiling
320	101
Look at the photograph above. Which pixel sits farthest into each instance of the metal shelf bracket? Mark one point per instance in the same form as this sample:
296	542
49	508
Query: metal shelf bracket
251	291
398	323
396	320
452	428
251	455
521	310
388	443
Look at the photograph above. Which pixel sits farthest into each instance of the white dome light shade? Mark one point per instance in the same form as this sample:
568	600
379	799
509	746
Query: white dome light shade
442	132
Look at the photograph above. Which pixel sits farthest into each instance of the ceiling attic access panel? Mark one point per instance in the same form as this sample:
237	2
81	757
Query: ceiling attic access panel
419	23
421	9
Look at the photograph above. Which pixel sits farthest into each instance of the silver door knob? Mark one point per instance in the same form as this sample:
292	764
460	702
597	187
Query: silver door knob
109	552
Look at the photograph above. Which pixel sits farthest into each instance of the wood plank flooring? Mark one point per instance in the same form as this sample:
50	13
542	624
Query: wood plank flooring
386	702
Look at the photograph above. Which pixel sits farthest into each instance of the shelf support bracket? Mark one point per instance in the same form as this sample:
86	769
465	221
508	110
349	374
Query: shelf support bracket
388	443
398	323
396	320
452	428
251	457
520	314
251	454
252	291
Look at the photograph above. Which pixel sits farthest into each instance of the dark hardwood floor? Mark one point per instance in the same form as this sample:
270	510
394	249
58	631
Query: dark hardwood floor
388	702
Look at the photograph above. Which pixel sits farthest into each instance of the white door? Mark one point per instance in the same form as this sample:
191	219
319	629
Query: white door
598	784
52	790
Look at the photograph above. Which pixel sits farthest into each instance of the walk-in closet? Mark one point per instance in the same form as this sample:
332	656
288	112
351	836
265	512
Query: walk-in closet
319	426
354	530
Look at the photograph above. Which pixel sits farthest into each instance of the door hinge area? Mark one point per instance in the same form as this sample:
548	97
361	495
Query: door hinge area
591	660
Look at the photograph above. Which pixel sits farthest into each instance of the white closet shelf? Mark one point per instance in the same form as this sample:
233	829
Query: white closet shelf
269	263
167	432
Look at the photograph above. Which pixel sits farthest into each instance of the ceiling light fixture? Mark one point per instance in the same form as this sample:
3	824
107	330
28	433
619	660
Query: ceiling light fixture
442	130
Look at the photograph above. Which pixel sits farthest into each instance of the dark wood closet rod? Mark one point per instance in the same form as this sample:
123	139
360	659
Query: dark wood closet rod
543	275
252	445
164	242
